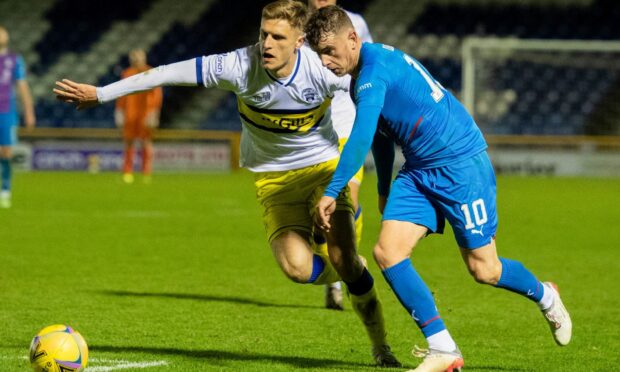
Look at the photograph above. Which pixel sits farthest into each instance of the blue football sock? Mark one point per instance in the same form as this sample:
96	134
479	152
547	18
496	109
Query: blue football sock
318	265
6	174
358	213
516	278
415	296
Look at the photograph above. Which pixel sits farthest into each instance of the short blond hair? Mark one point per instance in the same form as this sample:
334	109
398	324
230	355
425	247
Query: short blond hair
292	11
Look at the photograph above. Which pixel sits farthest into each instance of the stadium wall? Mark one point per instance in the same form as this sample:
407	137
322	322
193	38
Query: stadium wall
97	150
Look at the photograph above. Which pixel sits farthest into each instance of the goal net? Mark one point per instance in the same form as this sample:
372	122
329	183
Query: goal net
543	87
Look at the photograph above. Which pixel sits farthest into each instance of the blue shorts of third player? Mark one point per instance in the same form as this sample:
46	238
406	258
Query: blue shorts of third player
8	129
464	193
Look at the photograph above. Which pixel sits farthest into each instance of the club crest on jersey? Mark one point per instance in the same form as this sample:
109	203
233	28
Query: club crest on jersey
310	95
262	97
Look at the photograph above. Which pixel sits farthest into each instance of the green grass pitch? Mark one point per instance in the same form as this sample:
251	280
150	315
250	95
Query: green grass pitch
177	276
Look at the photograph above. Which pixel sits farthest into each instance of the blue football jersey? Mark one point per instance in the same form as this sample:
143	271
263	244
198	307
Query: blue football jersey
427	121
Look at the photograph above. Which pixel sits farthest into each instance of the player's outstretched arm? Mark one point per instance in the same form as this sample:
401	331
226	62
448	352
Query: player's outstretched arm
83	95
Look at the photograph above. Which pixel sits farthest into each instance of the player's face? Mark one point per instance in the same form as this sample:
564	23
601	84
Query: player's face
318	4
4	38
337	52
278	42
137	58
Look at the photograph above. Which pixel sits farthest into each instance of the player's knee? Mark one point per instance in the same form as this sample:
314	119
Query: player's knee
293	256
347	264
296	267
338	261
344	264
486	272
381	255
389	255
296	273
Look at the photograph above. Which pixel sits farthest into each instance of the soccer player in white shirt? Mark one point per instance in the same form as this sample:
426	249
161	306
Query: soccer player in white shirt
283	95
343	116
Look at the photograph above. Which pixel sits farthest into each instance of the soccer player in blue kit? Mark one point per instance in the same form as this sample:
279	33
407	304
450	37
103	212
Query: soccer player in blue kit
447	175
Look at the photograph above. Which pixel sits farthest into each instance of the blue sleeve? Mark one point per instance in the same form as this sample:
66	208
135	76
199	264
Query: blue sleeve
383	152
20	69
370	97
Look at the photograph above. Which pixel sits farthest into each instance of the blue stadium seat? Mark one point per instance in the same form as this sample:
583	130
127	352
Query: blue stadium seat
597	21
76	24
563	96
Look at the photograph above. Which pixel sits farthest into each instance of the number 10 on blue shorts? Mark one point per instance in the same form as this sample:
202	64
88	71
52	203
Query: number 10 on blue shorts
464	193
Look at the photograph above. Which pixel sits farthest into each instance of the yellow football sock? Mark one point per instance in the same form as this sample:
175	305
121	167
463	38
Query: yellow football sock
370	310
321	249
359	226
329	274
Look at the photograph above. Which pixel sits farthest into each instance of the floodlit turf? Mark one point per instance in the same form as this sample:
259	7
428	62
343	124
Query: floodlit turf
177	276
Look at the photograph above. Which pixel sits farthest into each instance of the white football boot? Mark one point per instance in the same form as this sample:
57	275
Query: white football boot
438	361
5	199
557	317
333	296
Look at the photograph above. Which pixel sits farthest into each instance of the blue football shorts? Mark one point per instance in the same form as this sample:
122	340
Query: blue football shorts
464	193
8	129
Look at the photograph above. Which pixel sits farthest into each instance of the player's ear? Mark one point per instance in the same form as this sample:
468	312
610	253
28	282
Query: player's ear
352	38
300	40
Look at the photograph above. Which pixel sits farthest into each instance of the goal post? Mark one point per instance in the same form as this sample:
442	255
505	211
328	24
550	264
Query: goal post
542	87
546	107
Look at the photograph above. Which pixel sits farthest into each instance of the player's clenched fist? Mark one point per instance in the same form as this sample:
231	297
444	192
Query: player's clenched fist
324	209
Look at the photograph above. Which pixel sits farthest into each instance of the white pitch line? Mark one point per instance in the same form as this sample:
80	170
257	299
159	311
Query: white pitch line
108	361
117	364
126	366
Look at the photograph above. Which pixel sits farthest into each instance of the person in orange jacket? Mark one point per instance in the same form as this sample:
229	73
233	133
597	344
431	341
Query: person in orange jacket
138	115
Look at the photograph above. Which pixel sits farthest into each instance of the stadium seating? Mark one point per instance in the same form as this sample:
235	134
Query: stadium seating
435	35
89	42
27	24
540	21
208	35
76	24
97	58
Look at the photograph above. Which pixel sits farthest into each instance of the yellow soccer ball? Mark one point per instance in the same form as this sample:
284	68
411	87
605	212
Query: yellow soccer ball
58	348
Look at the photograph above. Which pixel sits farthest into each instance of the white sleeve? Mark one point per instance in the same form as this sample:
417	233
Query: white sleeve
360	27
180	73
364	32
224	71
339	83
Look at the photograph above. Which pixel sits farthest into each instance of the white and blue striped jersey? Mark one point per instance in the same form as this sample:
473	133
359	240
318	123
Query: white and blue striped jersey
287	122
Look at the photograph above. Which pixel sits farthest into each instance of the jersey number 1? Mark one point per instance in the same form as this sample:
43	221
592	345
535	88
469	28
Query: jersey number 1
436	91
